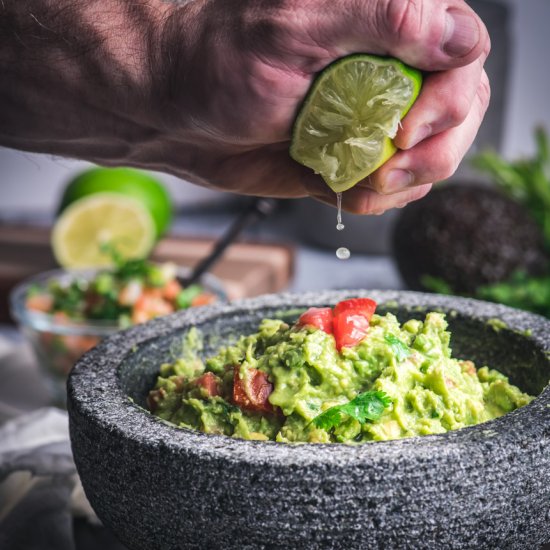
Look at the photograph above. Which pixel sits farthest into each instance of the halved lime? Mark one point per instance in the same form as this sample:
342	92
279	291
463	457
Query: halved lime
125	181
345	127
103	218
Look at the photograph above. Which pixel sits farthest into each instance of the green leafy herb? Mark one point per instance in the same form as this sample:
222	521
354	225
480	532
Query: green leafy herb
526	180
132	269
369	405
436	284
521	291
399	348
125	269
68	298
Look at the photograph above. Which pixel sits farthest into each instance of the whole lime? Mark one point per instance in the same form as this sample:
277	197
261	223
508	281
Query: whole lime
124	181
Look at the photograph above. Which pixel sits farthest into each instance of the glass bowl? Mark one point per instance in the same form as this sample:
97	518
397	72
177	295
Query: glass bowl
59	342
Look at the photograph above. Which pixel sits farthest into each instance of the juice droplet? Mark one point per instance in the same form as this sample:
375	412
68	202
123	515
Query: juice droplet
343	253
339	224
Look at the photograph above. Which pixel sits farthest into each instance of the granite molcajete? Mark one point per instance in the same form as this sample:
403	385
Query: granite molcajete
157	486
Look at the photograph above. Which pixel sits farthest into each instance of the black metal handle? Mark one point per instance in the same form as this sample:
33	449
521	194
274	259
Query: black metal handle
259	208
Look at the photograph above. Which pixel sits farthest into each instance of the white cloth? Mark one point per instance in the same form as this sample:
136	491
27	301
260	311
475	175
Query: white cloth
42	503
39	485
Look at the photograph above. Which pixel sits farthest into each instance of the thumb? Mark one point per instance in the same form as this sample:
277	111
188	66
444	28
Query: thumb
428	34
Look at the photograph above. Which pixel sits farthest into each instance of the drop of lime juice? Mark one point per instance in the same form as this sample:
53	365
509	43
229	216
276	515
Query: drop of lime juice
339	224
342	253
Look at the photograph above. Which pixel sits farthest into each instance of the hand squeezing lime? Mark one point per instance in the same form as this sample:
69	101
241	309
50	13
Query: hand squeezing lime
346	124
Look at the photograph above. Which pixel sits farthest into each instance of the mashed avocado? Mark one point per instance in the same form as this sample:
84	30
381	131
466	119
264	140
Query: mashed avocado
276	384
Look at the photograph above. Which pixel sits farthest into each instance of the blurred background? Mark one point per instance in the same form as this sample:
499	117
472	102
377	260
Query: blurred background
293	246
301	234
31	184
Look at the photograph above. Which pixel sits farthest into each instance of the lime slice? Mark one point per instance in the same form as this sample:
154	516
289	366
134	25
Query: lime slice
346	124
102	218
125	181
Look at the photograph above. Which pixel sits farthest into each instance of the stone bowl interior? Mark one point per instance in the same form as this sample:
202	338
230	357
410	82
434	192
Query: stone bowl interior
159	486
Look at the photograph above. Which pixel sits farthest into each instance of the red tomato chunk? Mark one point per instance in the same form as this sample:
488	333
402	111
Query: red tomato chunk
365	306
319	317
210	382
252	394
350	328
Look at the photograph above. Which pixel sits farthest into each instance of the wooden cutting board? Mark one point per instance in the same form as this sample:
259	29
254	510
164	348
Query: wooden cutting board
246	269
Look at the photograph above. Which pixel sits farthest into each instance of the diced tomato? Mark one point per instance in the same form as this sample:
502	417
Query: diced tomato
319	317
154	398
365	306
40	302
203	299
130	293
140	316
61	318
79	345
350	327
150	305
210	382
171	290
153	292
252	394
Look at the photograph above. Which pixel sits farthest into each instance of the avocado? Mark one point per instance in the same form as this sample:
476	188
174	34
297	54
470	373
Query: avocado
466	235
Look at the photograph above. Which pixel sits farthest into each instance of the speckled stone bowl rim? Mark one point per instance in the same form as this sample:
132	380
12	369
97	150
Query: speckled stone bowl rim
95	391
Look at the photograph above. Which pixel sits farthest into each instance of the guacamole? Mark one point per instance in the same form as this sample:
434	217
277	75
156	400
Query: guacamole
314	382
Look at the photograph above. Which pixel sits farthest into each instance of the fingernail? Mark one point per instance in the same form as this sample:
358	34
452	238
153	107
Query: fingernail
397	180
421	133
461	33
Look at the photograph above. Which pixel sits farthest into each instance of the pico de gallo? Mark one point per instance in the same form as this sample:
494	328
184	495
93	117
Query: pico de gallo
132	292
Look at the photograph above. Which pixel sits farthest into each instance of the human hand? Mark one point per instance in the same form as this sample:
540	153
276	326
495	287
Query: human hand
208	90
244	88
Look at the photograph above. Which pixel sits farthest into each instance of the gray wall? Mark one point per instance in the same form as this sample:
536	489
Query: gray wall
33	182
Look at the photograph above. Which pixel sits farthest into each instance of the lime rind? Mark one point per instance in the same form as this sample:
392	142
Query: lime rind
128	182
345	128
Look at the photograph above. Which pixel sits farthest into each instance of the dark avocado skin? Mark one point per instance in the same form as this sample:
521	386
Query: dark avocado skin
467	235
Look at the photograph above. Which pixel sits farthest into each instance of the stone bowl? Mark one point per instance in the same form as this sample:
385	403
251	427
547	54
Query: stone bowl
160	487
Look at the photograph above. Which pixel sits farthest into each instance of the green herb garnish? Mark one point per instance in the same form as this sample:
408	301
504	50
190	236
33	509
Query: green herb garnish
520	291
369	405
526	180
125	269
436	284
399	348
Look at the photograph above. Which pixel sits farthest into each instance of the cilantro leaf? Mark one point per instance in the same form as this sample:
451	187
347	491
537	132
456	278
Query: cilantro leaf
369	405
133	269
124	269
399	348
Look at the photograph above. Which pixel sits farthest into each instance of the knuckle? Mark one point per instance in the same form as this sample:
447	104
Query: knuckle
458	109
366	204
448	164
403	19
487	47
484	91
